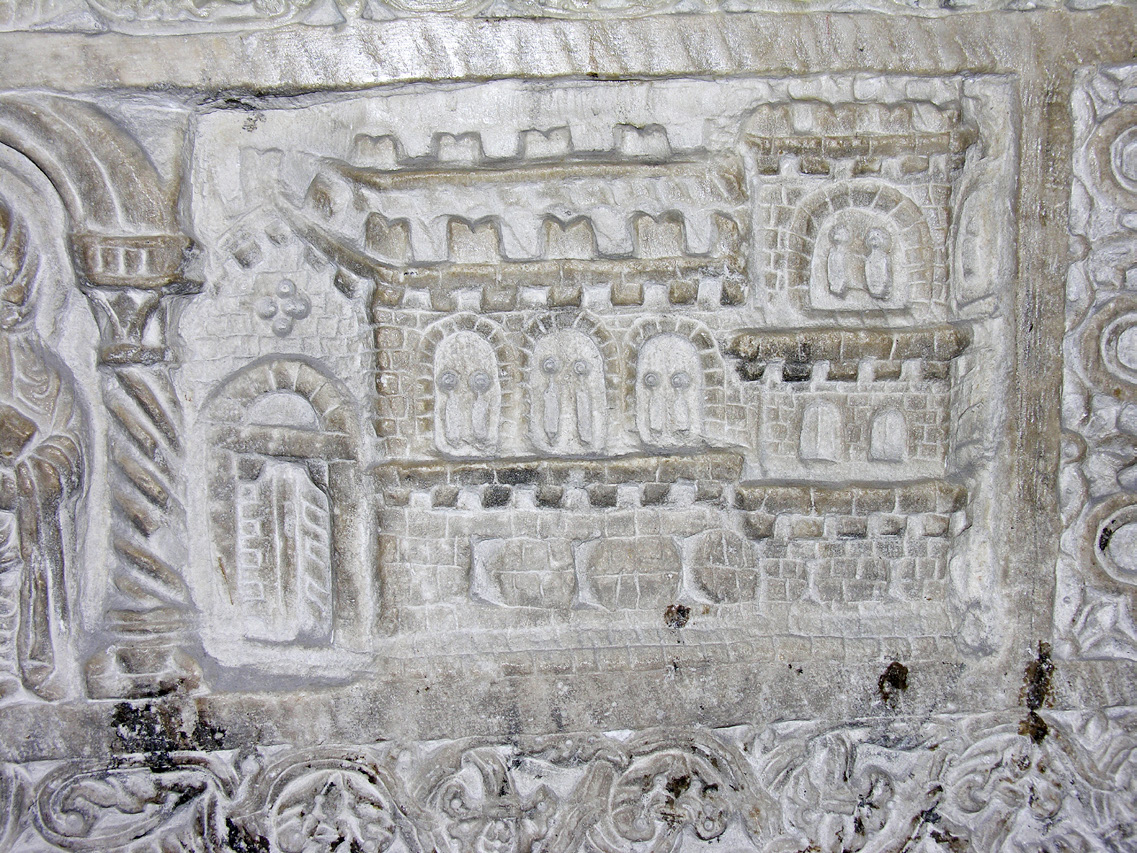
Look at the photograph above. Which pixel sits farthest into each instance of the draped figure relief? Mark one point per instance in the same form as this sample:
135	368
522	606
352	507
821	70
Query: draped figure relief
40	470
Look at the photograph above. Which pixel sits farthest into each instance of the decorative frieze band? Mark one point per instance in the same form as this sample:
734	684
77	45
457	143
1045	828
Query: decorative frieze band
991	782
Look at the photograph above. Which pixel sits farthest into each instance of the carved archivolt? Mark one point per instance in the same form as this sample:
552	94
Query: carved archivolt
128	252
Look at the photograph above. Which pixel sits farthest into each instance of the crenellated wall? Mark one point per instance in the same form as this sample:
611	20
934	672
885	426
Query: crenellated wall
581	427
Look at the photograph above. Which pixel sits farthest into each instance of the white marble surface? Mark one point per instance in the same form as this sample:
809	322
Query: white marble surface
567	426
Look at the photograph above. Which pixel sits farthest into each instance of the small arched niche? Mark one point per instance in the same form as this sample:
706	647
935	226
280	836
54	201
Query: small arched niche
821	433
888	436
283	498
568	406
467	395
669	392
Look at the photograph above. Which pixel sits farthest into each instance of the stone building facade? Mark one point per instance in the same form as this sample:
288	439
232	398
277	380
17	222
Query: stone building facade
619	427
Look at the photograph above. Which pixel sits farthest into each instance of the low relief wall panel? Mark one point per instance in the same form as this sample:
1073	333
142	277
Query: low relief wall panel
597	400
655	458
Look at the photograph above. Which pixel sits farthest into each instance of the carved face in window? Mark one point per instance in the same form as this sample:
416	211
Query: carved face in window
669	392
568	409
858	263
467	396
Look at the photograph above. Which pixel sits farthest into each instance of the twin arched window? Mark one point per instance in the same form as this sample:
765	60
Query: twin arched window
822	434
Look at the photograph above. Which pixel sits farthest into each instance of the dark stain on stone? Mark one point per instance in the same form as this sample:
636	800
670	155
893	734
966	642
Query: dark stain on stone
496	496
153	729
953	842
602	495
1039	675
240	840
676	615
894	678
793	371
1037	684
751	371
517	476
150	730
207	736
678	786
1106	536
1034	727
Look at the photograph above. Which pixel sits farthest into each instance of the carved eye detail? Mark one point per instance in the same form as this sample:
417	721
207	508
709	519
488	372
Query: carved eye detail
680	380
448	381
580	367
651	379
480	382
550	365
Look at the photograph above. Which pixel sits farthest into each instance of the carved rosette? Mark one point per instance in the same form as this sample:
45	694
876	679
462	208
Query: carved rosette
675	786
324	801
475	804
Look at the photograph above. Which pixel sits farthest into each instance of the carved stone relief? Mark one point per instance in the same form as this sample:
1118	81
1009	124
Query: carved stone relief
42	449
1099	382
424	427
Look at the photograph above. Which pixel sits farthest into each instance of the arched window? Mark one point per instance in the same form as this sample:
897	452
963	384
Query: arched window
568	408
821	433
282	499
284	532
669	392
888	437
467	395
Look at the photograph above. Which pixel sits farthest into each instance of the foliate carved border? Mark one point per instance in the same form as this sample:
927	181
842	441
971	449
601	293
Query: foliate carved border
1095	613
945	783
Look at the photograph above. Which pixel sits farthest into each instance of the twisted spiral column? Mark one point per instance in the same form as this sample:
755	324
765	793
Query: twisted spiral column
148	608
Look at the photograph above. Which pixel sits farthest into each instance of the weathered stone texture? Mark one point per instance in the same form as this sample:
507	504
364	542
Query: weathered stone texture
567	426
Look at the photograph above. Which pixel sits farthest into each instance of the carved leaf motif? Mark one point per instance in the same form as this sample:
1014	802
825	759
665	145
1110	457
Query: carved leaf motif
333	810
479	809
661	795
101	808
13	797
1097	409
325	801
674	786
1007	792
129	14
